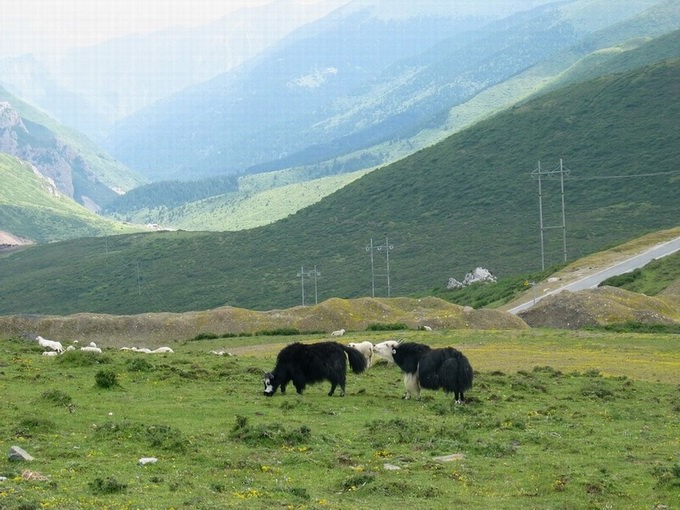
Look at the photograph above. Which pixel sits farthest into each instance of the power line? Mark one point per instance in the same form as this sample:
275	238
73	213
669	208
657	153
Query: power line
655	174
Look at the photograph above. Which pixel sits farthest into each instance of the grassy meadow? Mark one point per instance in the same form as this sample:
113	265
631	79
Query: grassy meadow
556	419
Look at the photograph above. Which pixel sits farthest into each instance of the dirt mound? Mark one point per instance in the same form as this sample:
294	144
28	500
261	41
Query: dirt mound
599	307
154	329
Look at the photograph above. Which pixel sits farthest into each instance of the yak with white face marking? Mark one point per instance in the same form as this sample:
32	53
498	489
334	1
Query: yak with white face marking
433	369
311	363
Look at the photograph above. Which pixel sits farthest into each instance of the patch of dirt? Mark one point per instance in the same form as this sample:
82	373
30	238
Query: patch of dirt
600	307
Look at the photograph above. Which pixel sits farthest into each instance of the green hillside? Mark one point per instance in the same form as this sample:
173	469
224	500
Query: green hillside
267	197
31	208
469	201
262	199
651	280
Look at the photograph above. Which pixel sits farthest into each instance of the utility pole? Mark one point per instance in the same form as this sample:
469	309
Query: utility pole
537	174
387	247
302	275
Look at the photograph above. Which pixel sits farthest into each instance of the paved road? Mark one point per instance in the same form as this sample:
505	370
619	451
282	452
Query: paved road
594	280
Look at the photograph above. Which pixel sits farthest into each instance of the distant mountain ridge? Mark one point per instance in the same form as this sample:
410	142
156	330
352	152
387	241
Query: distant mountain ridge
90	88
465	202
261	117
589	59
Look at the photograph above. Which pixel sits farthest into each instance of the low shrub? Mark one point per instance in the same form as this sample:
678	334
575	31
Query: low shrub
82	359
106	486
395	326
272	434
56	397
139	365
279	332
106	379
34	425
205	336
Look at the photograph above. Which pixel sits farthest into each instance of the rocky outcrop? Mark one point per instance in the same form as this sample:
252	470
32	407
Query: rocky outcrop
478	275
35	144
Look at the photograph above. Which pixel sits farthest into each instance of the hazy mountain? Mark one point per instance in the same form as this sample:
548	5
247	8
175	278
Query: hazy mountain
89	88
78	168
468	201
262	198
350	81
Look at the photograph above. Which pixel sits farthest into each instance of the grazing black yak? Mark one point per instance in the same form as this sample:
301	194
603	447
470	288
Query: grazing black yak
308	364
424	367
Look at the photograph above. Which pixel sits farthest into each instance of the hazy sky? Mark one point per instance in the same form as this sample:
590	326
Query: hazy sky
38	25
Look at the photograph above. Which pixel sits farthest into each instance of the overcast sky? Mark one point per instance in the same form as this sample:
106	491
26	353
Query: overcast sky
37	25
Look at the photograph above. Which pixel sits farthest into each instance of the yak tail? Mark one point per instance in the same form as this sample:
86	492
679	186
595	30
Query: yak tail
357	361
456	373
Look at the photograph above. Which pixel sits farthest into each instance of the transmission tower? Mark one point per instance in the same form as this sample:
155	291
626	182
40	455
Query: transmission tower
371	248
537	174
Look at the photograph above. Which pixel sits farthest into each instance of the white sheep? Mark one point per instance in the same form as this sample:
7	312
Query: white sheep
339	332
162	350
221	353
427	328
365	348
145	350
50	344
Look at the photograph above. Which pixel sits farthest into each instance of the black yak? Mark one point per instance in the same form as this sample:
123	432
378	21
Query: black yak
311	363
424	367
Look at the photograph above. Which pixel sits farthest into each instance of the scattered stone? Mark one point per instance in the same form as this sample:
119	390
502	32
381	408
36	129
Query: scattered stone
450	458
147	460
3	478
391	467
18	453
33	476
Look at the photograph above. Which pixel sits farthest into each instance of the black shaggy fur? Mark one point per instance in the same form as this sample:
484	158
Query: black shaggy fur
446	368
408	354
311	363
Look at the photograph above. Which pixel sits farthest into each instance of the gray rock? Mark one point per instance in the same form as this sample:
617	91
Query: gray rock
17	453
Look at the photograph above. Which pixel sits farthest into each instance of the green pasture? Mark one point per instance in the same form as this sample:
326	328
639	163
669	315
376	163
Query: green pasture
556	419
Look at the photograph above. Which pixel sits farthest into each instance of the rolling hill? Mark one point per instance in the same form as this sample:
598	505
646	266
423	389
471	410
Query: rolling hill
468	201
